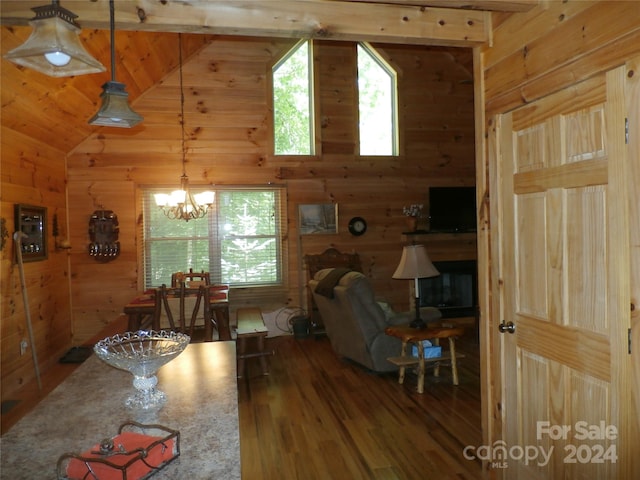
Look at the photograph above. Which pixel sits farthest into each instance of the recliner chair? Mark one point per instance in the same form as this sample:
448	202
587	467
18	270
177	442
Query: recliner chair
355	320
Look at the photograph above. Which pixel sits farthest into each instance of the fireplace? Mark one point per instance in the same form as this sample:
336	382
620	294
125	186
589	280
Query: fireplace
455	291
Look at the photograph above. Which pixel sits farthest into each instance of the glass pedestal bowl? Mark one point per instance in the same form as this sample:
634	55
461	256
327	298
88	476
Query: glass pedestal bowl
142	353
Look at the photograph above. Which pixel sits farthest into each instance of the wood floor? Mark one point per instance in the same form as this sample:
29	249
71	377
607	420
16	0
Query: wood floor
319	417
316	416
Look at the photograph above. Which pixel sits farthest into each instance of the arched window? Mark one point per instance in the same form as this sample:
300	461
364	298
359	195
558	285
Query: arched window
293	112
378	103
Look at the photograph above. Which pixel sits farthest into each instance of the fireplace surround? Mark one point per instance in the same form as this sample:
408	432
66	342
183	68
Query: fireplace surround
455	291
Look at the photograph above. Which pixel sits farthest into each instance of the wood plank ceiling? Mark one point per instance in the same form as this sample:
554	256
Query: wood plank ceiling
147	46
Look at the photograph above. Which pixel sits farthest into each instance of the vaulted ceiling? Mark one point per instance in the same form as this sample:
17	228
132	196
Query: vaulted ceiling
55	110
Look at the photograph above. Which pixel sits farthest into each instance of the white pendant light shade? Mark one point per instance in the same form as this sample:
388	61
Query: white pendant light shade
162	199
177	197
205	198
54	47
115	110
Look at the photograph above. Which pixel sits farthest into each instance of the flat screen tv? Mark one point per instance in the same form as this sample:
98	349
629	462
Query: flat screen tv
452	209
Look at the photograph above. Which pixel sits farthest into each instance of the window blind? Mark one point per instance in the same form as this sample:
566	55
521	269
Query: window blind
238	242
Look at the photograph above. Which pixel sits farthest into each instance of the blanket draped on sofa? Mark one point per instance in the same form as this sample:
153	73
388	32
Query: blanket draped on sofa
325	286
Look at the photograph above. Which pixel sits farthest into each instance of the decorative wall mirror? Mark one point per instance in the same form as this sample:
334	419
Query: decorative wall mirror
31	221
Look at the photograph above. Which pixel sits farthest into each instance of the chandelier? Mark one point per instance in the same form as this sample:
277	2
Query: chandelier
182	204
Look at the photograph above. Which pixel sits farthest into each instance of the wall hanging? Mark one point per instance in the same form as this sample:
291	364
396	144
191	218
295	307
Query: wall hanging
103	231
4	233
31	222
318	218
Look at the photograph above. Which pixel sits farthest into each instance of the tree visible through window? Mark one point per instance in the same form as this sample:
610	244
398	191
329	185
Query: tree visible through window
249	250
377	92
293	102
237	242
293	116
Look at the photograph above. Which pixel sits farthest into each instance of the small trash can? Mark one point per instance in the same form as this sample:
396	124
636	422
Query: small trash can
300	327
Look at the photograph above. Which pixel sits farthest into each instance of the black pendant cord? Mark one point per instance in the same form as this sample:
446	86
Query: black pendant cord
112	18
184	154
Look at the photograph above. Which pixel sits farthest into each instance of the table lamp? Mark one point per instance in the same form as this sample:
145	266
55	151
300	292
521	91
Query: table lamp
415	264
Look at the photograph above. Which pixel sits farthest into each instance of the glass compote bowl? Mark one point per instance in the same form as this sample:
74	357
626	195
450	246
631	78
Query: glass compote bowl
142	353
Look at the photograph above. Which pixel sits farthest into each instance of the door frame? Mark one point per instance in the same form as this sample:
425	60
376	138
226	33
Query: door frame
490	291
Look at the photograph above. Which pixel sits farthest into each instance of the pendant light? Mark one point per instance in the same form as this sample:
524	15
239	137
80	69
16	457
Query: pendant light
54	47
182	204
115	110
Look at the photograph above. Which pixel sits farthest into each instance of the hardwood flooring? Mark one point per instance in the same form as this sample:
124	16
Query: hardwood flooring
316	416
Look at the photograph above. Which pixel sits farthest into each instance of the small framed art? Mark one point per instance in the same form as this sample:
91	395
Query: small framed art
318	218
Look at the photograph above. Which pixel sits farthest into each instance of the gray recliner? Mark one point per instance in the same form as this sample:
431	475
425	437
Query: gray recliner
355	320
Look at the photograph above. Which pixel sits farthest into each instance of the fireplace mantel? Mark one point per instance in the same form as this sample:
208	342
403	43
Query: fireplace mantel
445	246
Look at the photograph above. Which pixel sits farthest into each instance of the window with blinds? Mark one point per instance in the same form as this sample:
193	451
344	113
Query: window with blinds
238	242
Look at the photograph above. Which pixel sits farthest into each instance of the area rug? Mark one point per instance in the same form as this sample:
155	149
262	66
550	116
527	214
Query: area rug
76	355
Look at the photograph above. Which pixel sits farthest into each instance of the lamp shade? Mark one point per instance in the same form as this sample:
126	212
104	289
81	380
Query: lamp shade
415	263
54	47
115	110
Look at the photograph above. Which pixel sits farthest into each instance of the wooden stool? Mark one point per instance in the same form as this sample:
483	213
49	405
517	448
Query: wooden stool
250	324
416	336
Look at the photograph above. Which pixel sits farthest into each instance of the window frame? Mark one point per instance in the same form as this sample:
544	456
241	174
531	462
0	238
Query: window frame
215	238
314	114
381	59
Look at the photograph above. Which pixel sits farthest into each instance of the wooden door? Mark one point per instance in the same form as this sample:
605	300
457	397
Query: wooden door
564	269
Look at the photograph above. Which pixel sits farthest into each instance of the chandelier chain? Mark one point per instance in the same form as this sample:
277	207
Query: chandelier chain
181	204
184	148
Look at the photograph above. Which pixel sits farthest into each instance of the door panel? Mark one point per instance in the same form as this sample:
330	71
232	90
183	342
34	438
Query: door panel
561	273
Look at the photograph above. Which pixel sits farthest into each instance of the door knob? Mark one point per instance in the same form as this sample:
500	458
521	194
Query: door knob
507	327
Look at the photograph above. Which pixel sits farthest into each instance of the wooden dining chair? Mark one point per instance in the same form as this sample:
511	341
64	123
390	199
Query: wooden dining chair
191	278
172	301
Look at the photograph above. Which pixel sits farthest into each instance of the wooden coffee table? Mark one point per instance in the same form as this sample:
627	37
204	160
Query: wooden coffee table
411	336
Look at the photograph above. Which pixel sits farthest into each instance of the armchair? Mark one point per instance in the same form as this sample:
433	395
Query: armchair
355	321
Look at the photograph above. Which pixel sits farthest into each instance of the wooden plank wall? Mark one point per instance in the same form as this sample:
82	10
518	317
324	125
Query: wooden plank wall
227	111
534	54
42	119
32	173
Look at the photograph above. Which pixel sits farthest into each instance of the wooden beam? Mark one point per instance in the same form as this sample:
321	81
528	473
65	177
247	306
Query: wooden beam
325	19
490	5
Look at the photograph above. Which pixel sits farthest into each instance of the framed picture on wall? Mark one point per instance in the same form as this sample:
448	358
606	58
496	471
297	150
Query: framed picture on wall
31	222
318	218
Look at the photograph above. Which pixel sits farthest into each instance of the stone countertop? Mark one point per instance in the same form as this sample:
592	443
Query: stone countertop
202	404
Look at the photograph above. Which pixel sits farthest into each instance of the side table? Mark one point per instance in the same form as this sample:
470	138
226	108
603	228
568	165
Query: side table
415	336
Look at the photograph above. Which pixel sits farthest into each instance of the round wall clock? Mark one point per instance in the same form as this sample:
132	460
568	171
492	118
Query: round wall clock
357	226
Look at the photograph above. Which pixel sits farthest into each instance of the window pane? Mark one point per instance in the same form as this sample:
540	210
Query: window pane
237	242
292	103
247	213
161	226
177	256
377	104
249	250
249	261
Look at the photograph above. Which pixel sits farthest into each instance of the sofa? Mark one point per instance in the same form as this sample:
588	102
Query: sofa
355	319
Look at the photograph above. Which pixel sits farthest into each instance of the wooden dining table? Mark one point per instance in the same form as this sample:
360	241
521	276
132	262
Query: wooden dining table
144	305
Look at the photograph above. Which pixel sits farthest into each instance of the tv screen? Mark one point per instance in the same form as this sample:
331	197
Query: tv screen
452	209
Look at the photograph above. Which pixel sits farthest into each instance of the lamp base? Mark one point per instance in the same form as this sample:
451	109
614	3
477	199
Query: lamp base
418	324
